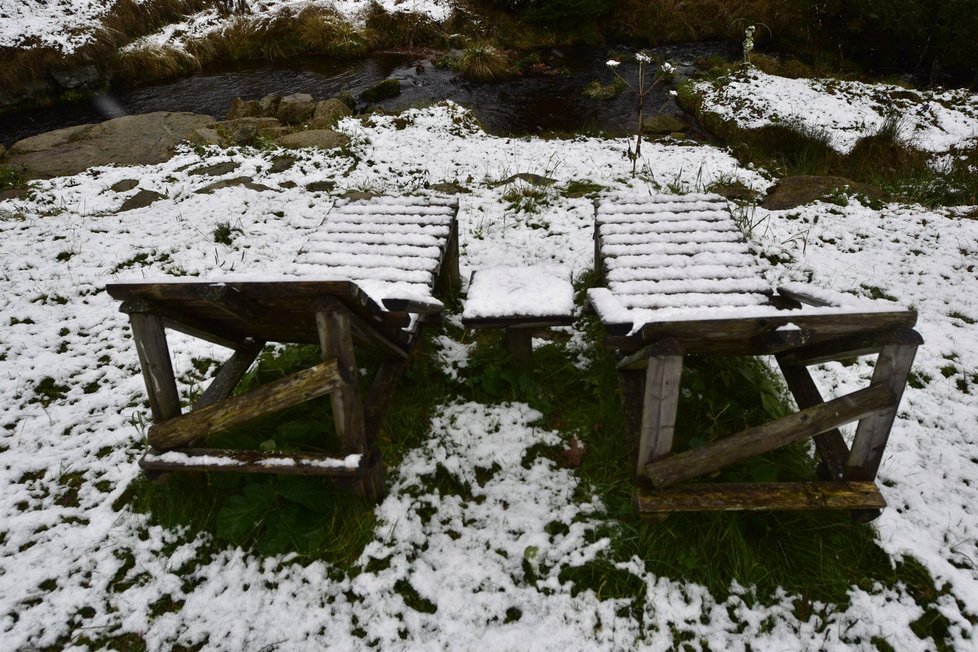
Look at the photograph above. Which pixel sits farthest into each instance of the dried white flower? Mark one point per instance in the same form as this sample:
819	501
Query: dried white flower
611	63
644	58
667	67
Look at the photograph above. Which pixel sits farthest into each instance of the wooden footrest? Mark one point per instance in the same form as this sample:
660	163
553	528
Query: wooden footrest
240	461
761	496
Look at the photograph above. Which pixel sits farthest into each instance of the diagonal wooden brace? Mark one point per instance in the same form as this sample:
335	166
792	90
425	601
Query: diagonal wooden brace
892	368
761	439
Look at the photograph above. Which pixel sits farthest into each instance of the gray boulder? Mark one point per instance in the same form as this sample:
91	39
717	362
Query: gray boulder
131	140
328	113
244	109
321	138
243	131
296	108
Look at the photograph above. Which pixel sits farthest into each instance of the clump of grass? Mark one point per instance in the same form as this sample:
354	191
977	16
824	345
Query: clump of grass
11	179
526	198
224	233
323	31
164	62
401	29
598	91
483	63
382	91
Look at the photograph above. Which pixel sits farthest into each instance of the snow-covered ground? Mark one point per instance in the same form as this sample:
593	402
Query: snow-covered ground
66	459
845	111
69	24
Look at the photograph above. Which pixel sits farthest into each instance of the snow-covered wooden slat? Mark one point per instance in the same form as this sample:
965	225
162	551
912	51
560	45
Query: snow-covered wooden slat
431	237
658	235
376	249
713	215
698	300
753	285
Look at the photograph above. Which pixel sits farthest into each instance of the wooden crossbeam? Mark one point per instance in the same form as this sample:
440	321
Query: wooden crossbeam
805	424
247	461
229	375
830	445
761	496
293	389
364	330
182	322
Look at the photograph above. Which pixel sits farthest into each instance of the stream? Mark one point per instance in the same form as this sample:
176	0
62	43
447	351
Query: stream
549	101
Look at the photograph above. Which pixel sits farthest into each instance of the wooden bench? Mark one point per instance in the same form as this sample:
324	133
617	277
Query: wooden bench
681	281
399	247
520	300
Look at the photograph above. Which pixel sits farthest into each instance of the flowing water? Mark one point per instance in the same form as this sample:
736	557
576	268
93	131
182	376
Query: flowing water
549	100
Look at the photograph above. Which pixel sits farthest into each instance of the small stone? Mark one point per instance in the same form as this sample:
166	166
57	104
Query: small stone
791	192
288	185
124	186
328	113
243	131
224	183
320	186
141	199
384	90
269	105
216	170
244	109
321	138
296	108
664	123
281	164
206	136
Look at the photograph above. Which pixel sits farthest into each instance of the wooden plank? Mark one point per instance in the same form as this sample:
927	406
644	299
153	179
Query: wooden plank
659	403
229	375
599	266
336	342
830	445
230	301
379	396
241	461
804	298
449	281
283	393
721	496
417	306
519	344
850	346
891	371
182	322
156	365
518	321
767	437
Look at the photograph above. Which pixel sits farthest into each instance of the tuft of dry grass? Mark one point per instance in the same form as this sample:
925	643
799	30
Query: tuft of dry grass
323	31
483	63
154	63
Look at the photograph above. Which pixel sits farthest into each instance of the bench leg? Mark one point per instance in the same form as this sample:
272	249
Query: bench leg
659	404
892	368
519	343
154	359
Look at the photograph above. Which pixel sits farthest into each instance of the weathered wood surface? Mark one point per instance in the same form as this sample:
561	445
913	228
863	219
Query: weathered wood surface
394	344
766	496
852	346
830	445
891	371
280	394
519	344
805	424
282	310
519	321
417	306
336	342
179	320
660	402
157	368
449	281
379	396
229	375
746	335
241	461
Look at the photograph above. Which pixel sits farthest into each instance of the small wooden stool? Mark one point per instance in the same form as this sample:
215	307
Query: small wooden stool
520	300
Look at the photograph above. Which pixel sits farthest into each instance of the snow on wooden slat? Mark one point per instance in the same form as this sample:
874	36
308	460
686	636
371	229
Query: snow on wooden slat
395	200
360	248
399	218
691	300
356	273
691	227
681	236
668	272
752	285
339	259
379	228
389	238
705	219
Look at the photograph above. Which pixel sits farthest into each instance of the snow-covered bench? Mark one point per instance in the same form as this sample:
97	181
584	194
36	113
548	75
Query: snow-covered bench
681	280
521	300
365	276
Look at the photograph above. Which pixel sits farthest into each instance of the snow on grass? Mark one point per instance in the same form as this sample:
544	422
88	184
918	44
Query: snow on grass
69	24
467	560
932	121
